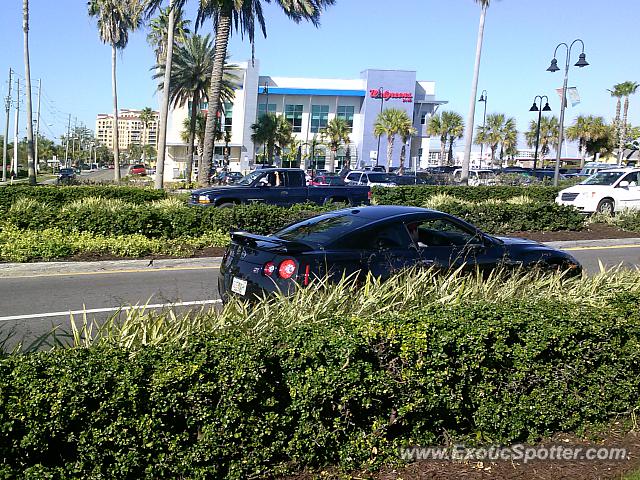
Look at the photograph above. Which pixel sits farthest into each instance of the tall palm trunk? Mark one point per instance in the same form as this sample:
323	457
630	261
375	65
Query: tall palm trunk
164	106
623	129
443	150
222	40
468	139
195	102
616	124
390	140
27	74
403	154
583	153
116	135
144	143
451	162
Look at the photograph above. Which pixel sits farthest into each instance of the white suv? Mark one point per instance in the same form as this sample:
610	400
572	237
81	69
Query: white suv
370	178
606	191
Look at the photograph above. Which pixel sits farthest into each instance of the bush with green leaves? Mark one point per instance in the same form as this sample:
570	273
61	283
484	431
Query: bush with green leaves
61	195
347	388
417	195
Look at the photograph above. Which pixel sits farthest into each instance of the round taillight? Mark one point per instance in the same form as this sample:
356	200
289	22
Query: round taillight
287	268
269	268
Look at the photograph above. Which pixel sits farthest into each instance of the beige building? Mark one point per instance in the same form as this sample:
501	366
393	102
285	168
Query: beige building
130	129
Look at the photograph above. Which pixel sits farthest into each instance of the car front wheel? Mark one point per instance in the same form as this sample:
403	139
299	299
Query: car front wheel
606	206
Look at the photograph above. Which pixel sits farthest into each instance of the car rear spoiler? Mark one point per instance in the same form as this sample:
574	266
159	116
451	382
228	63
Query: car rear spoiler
251	240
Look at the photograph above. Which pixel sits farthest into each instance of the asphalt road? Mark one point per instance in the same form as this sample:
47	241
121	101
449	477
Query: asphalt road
34	303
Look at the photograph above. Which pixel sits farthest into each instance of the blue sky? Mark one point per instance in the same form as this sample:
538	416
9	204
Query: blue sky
434	37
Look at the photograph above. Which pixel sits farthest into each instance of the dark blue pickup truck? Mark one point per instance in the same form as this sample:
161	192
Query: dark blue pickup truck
278	186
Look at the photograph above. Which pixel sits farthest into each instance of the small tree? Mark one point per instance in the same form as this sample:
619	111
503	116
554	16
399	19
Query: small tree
335	134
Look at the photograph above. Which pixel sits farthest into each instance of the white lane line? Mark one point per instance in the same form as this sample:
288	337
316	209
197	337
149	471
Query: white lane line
108	309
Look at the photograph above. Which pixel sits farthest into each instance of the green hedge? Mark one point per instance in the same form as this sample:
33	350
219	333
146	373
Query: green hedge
418	195
346	392
60	195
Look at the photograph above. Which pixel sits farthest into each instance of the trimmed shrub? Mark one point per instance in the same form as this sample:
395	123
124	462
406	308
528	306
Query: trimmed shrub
60	195
417	195
346	392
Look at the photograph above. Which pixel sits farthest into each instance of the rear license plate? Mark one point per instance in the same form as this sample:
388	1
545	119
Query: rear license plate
239	286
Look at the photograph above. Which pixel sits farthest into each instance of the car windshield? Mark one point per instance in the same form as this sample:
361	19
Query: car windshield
250	178
379	178
323	229
330	180
603	178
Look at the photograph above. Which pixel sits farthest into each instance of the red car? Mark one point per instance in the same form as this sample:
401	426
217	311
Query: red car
334	180
137	170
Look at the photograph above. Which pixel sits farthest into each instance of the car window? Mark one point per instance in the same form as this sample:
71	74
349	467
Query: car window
390	236
633	179
378	177
250	178
322	229
354	177
294	179
439	232
603	178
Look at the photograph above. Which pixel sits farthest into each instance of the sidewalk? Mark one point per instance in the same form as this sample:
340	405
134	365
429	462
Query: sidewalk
8	270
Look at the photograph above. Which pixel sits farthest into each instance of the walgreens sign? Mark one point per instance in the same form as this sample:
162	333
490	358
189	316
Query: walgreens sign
406	97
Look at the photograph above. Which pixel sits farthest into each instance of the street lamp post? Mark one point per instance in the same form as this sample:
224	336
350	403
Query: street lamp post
381	94
266	112
534	108
483	98
582	62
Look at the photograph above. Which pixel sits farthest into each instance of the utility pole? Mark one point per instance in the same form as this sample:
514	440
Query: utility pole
17	126
6	129
66	151
75	131
36	159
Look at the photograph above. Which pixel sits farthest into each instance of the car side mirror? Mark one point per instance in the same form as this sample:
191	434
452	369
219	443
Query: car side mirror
623	184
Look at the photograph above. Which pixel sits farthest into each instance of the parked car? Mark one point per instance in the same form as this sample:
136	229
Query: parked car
327	179
278	186
138	169
483	176
375	168
590	168
410	179
66	175
606	191
442	169
378	240
369	178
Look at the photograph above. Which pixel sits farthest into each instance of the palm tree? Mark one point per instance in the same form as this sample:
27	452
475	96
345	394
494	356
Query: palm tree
198	127
604	140
405	132
158	32
115	20
27	75
389	122
436	127
549	133
455	130
509	138
190	80
265	132
626	89
484	5
333	135
244	15
147	116
585	129
493	132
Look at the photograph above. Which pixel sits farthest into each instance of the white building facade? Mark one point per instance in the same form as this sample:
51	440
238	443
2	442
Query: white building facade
309	104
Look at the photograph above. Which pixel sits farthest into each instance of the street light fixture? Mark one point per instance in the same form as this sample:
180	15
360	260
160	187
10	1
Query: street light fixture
582	62
534	108
381	94
483	98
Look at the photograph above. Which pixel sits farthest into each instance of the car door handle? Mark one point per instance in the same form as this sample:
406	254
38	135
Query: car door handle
284	193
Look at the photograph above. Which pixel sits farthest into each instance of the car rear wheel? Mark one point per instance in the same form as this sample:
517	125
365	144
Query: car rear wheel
606	206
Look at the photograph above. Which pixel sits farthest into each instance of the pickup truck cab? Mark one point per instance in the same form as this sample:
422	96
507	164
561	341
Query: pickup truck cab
278	186
607	191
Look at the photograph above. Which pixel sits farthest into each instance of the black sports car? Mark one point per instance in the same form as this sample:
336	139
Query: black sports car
377	239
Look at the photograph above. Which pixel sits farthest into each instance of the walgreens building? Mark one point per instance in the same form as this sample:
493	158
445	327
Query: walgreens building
309	104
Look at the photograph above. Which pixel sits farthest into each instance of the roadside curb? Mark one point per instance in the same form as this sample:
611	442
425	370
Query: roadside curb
9	270
612	242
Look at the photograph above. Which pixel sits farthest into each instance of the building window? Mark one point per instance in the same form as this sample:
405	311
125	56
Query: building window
319	117
262	109
423	119
228	116
293	114
346	112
